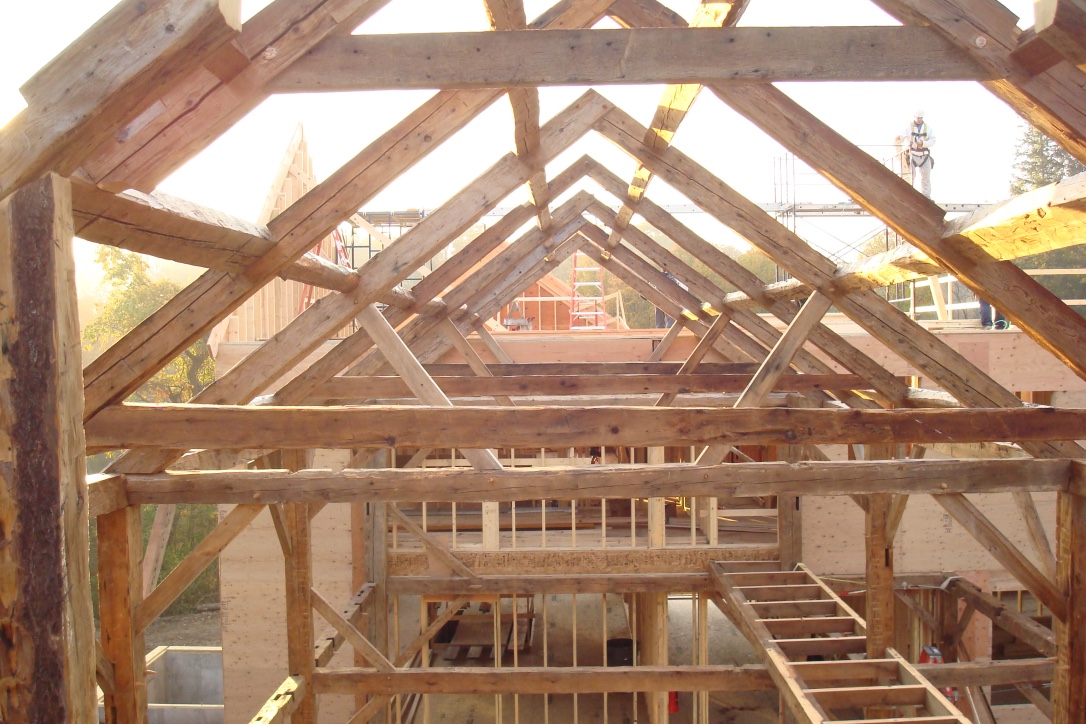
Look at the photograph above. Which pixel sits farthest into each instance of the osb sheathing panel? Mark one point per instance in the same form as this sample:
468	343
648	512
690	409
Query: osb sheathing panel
928	540
254	610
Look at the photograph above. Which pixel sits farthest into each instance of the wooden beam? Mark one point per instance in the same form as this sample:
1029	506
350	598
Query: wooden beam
349	350
214	426
879	556
136	49
993	540
200	111
156	546
598	679
734	480
283	702
350	634
442	555
542	680
1062	25
1022	627
627	56
774	366
120	591
1068	696
47	648
527	585
298	569
179	120
360	388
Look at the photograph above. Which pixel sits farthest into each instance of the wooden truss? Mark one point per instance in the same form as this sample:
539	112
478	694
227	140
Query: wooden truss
170	76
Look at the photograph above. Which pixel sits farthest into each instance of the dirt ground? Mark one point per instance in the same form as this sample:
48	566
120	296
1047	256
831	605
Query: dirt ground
195	629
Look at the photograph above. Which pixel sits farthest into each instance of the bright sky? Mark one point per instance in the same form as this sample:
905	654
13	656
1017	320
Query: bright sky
976	132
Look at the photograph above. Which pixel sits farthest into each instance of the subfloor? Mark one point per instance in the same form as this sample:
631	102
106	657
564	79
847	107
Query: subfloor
552	645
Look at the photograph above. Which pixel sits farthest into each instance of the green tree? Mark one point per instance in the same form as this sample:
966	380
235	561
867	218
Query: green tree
1040	161
134	295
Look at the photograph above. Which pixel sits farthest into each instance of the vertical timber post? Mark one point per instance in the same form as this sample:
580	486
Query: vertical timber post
299	588
47	650
1068	690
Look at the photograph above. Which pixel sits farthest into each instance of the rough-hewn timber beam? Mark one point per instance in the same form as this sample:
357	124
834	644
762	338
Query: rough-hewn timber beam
356	387
734	480
637	56
211	426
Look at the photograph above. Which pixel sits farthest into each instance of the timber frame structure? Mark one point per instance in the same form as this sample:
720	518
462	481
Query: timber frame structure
169	76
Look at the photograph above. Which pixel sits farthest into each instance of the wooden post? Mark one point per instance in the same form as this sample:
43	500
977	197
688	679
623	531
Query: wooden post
1068	692
47	650
376	532
299	589
880	577
120	589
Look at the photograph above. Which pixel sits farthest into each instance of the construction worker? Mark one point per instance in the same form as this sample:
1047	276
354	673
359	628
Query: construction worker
919	139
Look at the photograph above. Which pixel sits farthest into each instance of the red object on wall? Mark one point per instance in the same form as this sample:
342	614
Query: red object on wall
673	702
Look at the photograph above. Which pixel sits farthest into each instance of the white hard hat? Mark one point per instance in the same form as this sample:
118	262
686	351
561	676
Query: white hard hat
919	114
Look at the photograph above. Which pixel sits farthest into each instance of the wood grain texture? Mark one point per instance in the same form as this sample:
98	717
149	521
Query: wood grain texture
513	58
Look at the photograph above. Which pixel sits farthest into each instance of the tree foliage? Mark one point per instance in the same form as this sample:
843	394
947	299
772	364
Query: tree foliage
1039	161
134	295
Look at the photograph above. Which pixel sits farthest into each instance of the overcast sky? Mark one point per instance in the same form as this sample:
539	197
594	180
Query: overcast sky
976	132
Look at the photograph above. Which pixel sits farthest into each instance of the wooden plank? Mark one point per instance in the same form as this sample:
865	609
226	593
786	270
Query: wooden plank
550	584
542	680
1068	696
47	652
136	49
1005	552
282	703
626	56
194	564
592	369
226	426
572	384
